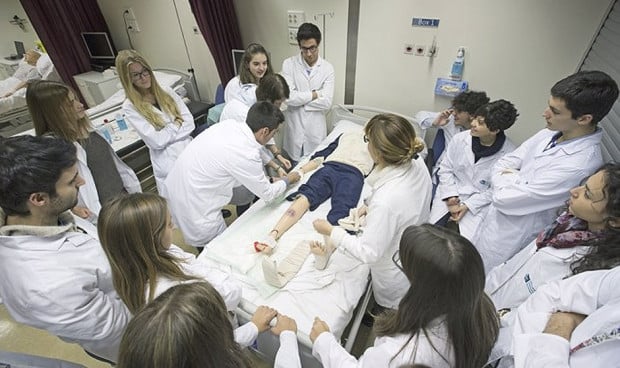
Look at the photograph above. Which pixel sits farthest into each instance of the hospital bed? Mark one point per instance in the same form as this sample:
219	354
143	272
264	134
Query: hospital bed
14	116
339	294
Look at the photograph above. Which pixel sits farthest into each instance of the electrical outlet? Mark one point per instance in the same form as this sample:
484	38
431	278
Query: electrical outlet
129	14
196	30
419	50
295	18
292	36
408	49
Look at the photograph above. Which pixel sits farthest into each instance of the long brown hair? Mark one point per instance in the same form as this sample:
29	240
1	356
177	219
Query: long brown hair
185	327
245	75
446	275
131	229
163	99
52	111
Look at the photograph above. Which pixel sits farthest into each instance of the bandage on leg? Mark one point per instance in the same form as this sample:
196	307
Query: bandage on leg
279	274
322	252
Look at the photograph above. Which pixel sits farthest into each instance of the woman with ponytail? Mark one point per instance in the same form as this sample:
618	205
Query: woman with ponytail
400	197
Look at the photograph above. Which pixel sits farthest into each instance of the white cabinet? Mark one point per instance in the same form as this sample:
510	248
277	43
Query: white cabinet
95	87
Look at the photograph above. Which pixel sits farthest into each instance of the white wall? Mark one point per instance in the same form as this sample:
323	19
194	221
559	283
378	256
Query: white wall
10	32
160	40
514	49
265	22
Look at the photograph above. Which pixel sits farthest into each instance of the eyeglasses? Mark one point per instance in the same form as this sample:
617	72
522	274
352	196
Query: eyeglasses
143	74
396	260
365	138
311	49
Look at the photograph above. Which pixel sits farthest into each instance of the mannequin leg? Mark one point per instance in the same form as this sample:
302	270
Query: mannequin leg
290	218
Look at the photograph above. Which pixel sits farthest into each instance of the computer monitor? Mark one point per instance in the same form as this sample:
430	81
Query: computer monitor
237	57
19	47
98	46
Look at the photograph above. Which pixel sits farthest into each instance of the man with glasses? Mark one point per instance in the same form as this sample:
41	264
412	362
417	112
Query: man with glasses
311	81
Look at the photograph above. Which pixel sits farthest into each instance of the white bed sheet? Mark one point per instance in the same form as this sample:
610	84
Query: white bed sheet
16	100
331	294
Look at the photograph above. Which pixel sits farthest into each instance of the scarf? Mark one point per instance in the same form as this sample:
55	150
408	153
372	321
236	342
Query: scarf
481	151
566	231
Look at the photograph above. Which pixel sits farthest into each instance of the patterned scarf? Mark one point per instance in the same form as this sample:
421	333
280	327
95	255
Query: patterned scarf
566	231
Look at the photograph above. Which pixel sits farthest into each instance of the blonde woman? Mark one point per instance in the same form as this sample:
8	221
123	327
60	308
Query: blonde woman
158	114
136	234
400	197
56	110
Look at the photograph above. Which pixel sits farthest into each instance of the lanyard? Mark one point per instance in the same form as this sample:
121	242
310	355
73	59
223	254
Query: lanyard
597	339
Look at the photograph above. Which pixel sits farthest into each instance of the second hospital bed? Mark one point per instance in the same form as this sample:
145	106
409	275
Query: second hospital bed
336	294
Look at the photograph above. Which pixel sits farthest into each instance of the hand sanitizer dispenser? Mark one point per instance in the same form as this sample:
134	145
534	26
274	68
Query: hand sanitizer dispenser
457	66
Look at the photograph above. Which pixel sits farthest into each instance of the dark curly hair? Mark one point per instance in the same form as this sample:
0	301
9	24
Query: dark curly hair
497	115
605	252
469	101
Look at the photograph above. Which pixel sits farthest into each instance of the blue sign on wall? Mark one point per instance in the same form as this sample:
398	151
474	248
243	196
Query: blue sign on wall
425	22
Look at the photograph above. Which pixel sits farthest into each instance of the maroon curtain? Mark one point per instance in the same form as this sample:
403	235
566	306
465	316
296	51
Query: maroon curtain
59	24
218	24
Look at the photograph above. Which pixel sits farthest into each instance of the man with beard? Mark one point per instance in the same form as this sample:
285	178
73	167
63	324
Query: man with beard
54	274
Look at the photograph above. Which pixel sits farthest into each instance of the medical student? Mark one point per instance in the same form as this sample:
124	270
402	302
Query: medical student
53	273
400	197
225	156
255	64
569	323
158	115
136	234
457	118
311	80
530	183
55	110
444	320
584	237
187	326
463	193
273	88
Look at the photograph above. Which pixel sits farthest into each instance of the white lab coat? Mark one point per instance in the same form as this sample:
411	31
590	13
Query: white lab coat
306	126
237	110
166	144
595	294
331	354
58	279
512	282
87	196
225	284
236	89
224	156
460	176
401	197
527	199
